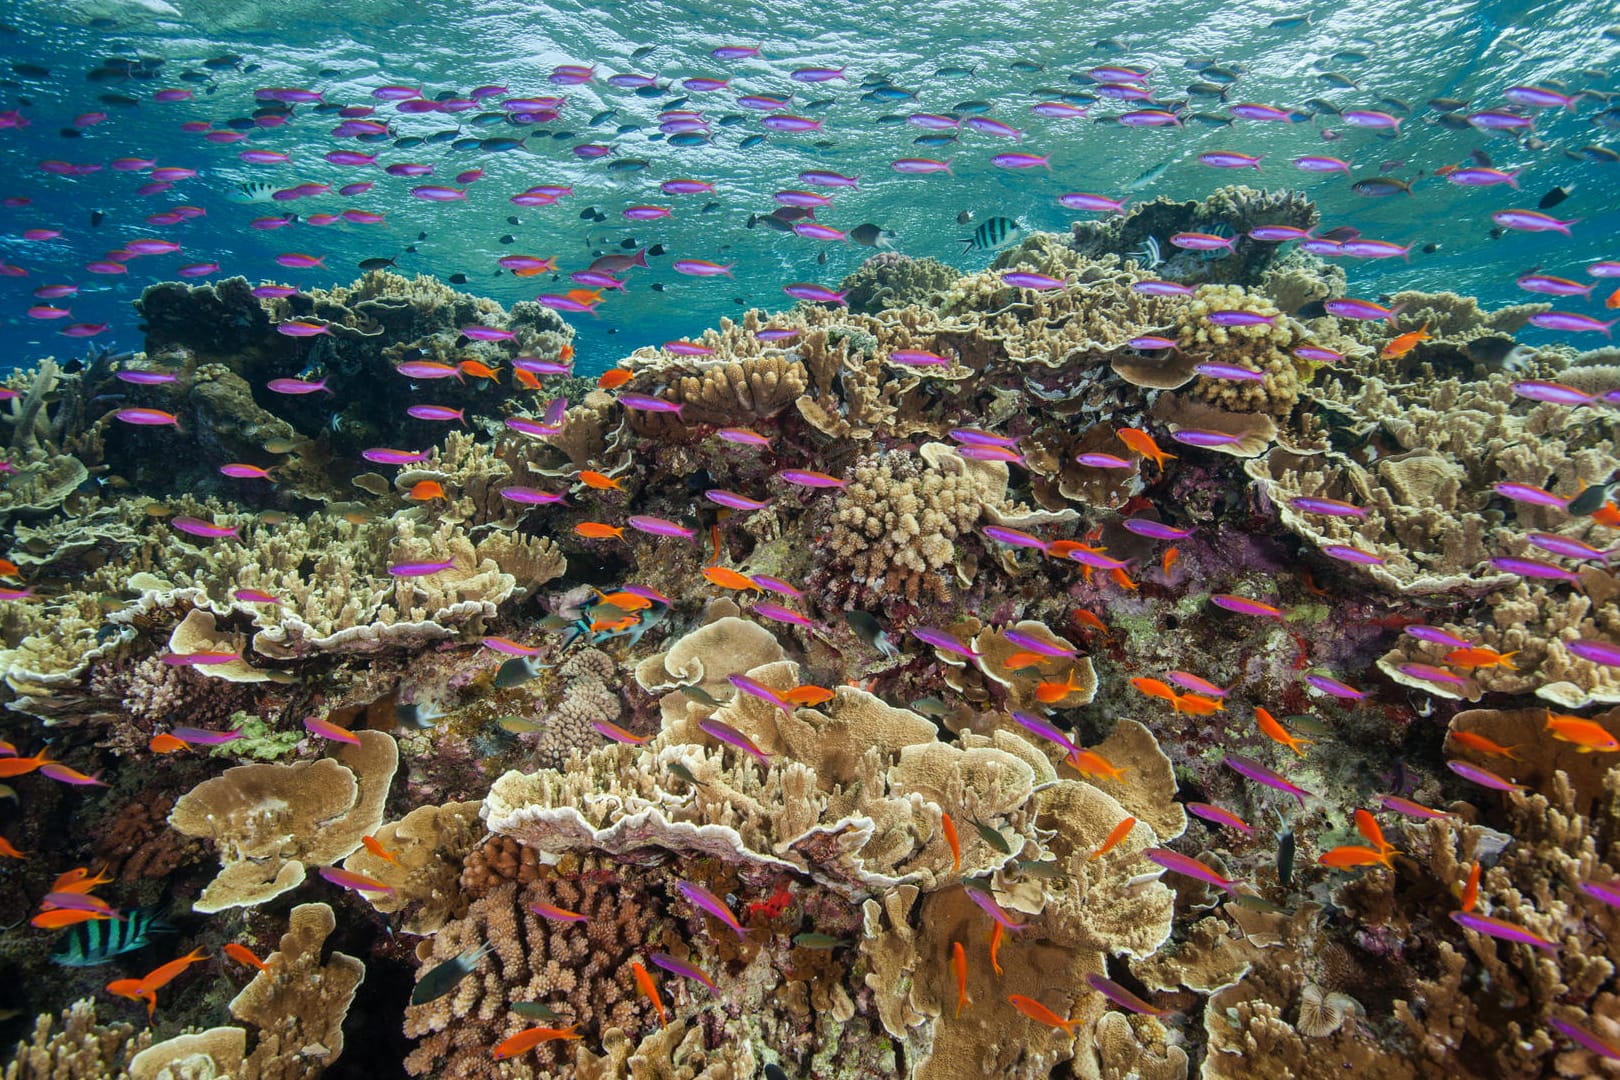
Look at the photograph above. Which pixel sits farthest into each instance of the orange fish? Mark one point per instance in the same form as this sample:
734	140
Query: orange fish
614	624
1061	549
1350	856
426	490
1040	1013
1194	705
995	947
159	977
951	839
76	881
1277	733
167	744
1143	444
626	601
243	955
614	378
1479	743
131	988
9	568
1120	832
1157	688
959	965
8	851
1091	763
565	353
374	846
1122	579
526	379
1587	735
1608	515
1405	343
1470	889
1020	660
598	481
1613	301
19	766
1481	656
1051	692
714	539
1171	556
596	530
648	987
1367	826
807	695
727	578
527	1040
57	918
1087	618
479	370
584	296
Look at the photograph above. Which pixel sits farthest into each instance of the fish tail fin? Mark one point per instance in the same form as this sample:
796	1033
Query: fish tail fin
968	243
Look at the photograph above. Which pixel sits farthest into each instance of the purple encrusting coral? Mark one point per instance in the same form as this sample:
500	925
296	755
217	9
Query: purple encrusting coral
551	693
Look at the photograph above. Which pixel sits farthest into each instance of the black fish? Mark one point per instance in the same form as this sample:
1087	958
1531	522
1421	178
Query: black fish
866	627
656	249
1589	501
516	672
458	279
377	263
1285	857
775	1072
1554	197
508	239
445	977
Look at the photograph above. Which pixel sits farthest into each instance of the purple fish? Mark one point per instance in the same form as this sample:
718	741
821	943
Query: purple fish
777	613
1568	547
804	478
427	369
1553	286
1191	867
1552	392
1155	530
486	333
1023	280
1020	160
1037	726
1197	241
1241	318
980	894
918	358
1242	605
1122	997
657	526
273	292
683	969
1277	234
1568	320
1407	808
728	734
1598	652
1529	493
532	496
1015	537
206	529
1149	342
1328	507
1483	777
146	378
699	897
1103	461
1535	568
760	691
1161	288
1346	553
1203	437
419	569
1430	673
646	403
531	428
1034	644
819	294
204	737
939	639
776	585
1497	928
1318	354
1080	200
383	456
297	386
1437	636
1583	1037
1257	772
734	501
1188	681
1336	688
975	436
1364	310
1608	892
1228	159
1220	816
1095	560
1229	371
436	412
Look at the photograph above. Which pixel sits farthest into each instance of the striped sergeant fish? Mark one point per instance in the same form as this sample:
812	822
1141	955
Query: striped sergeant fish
90	944
994	233
253	191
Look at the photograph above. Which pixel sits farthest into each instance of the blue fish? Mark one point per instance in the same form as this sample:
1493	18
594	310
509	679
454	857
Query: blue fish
91	944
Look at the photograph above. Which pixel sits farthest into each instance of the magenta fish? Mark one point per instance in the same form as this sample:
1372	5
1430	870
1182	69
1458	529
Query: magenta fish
347	879
254	596
1584	1038
1242	605
734	501
486	333
646	403
1155	530
436	412
760	691
1311	504
1191	867
805	478
657	526
1033	644
1598	652
777	613
1437	636
419	569
147	417
1098	460
818	294
1498	928
1483	777
1257	772
1220	816
205	737
1335	688
1015	537
939	639
1122	997
1234	372
1568	320
1408	808
1204	437
980	894
381	455
683	969
1037	726
206	529
297	386
699	897
1535	568
1528	493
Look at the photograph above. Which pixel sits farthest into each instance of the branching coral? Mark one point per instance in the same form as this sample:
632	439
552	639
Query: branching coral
82	1049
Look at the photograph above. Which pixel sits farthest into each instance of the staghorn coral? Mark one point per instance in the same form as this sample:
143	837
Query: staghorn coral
270	822
894	527
82	1049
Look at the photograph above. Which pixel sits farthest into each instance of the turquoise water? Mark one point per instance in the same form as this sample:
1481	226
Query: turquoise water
1413	52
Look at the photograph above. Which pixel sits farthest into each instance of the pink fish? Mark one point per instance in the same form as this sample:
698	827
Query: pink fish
1498	928
55	770
657	526
348	879
147	417
1220	816
297	386
760	691
254	596
1191	867
510	647
328	730
699	897
728	734
437	412
683	969
980	894
939	639
204	737
555	913
531	496
419	569
384	456
486	333
778	613
206	529
1257	772
647	403
805	478
1483	777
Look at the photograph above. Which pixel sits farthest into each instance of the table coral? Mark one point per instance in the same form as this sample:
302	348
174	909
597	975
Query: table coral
271	822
